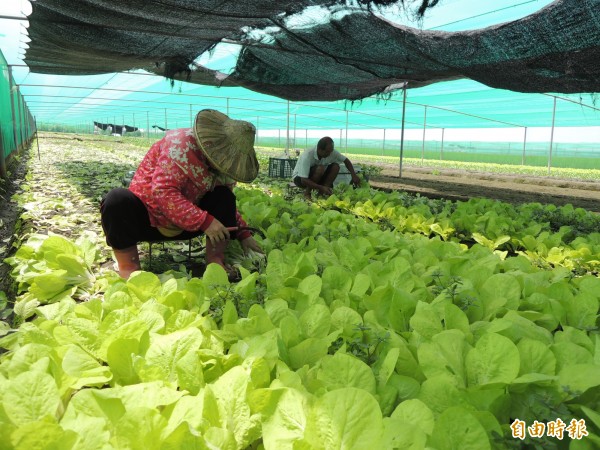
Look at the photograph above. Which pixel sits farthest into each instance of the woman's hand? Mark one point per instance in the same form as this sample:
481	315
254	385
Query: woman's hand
216	231
250	244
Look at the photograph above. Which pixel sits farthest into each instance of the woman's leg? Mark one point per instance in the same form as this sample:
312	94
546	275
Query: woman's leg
125	222
125	219
221	204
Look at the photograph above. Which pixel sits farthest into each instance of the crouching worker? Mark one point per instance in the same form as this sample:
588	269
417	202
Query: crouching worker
318	167
183	188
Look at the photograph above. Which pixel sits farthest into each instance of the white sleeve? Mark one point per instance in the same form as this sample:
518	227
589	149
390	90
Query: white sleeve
339	158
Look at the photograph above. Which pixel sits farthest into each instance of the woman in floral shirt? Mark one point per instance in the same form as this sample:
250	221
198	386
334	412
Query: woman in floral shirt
182	189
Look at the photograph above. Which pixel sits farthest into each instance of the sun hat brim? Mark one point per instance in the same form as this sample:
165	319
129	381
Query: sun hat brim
228	144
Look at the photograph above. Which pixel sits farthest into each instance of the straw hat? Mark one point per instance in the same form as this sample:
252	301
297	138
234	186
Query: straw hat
228	144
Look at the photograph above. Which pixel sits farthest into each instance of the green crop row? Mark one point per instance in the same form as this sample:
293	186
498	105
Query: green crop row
547	235
366	325
348	336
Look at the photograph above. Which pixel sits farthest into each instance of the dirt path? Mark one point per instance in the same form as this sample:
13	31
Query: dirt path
463	185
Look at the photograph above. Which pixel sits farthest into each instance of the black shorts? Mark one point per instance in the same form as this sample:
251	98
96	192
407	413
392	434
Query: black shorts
126	222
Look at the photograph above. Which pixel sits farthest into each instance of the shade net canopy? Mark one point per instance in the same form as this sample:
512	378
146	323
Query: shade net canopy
351	54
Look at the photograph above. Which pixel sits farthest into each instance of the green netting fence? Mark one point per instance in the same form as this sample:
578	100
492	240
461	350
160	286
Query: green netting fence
470	134
460	121
17	125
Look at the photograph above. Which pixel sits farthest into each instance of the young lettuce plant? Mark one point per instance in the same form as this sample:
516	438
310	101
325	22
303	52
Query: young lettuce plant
50	268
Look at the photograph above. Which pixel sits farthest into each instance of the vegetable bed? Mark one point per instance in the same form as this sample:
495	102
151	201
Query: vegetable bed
375	321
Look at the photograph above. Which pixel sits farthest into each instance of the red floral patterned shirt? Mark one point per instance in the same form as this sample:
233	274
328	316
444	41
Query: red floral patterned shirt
173	176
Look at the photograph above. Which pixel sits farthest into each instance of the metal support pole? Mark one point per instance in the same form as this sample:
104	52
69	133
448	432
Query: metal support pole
12	108
191	119
3	172
147	125
551	137
26	125
295	130
346	131
424	127
166	122
257	128
22	117
524	143
227	106
442	148
402	132
306	139
287	139
37	139
383	146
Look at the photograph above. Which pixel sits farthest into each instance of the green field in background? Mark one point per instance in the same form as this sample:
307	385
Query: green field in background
576	156
564	155
572	167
